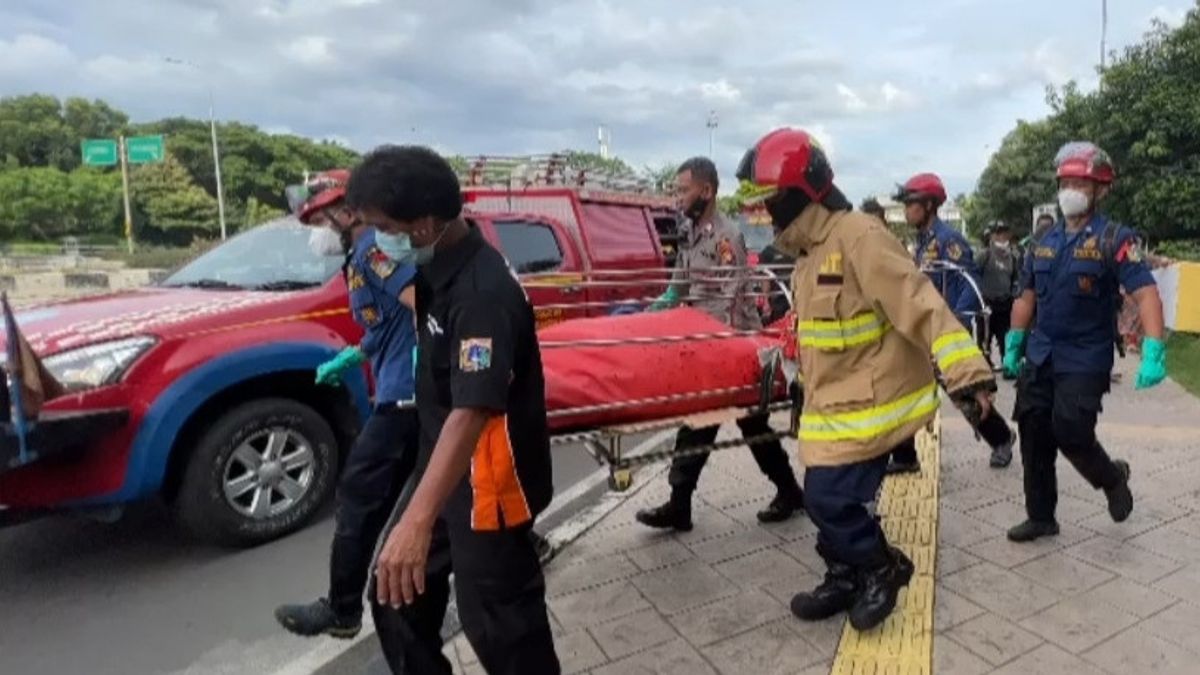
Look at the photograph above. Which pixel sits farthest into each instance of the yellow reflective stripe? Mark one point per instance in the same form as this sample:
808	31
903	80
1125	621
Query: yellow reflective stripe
824	334
869	422
954	347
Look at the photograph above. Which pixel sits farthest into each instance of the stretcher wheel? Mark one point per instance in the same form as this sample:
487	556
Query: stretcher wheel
620	480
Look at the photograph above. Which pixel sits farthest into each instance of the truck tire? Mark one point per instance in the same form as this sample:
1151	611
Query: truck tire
261	471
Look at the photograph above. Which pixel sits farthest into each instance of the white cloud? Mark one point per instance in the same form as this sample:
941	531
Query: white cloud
310	50
29	53
1172	16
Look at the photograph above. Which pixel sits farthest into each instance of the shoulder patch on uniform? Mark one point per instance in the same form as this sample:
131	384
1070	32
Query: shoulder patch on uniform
381	265
954	251
1130	252
370	315
475	355
725	252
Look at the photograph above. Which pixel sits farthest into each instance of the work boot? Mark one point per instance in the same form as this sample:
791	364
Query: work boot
880	587
318	618
836	594
1002	454
1120	499
896	468
785	503
1032	529
676	514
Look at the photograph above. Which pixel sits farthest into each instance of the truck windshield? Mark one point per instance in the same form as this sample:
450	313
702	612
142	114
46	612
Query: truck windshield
273	256
757	237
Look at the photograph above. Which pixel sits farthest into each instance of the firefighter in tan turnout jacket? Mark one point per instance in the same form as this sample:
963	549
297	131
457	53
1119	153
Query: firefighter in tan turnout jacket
871	328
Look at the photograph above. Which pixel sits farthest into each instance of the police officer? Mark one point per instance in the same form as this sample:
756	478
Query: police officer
1000	270
382	302
871	328
922	195
484	464
1071	283
710	245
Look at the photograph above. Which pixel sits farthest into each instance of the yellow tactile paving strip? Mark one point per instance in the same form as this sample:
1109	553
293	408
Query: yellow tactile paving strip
903	645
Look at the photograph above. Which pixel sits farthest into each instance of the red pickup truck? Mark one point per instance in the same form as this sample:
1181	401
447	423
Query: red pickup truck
200	390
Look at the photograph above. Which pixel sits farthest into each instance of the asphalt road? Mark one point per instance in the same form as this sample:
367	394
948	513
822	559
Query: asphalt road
137	597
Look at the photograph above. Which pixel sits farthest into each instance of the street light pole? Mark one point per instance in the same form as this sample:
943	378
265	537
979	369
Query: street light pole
1103	33
212	127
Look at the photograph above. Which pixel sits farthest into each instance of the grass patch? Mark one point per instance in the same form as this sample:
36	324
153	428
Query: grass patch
1183	360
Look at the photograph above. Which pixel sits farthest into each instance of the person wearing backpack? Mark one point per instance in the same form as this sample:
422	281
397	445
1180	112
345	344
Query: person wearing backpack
1000	268
1064	324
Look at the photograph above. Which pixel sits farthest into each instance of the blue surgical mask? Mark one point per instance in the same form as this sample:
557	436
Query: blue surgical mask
398	247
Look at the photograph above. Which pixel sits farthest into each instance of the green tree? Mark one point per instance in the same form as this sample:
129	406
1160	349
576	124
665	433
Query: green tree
661	177
170	205
33	131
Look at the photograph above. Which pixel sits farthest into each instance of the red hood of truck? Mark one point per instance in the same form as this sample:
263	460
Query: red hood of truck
163	312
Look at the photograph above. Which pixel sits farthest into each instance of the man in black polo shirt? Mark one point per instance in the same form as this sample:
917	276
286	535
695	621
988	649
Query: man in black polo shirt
484	463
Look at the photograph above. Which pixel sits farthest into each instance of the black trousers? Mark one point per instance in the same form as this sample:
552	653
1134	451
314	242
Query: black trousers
770	456
1058	412
375	472
998	325
501	600
837	498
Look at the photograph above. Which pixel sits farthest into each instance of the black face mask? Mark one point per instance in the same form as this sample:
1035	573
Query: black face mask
696	209
786	208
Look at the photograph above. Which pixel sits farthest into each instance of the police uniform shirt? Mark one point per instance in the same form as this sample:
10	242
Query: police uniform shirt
721	293
941	242
1077	292
375	283
479	349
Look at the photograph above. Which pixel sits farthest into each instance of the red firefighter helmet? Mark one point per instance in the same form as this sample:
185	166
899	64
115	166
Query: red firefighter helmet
921	187
786	158
1080	159
322	190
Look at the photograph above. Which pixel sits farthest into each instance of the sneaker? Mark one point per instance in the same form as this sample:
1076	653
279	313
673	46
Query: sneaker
1032	529
836	594
1120	499
895	468
880	588
1002	454
318	618
786	503
668	516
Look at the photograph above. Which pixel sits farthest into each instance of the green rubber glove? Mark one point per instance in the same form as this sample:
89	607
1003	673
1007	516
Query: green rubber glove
1153	369
666	300
1014	351
330	372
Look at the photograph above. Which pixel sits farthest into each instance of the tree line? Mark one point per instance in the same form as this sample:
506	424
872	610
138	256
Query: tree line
1145	114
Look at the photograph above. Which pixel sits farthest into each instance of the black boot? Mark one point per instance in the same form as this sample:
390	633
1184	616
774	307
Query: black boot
881	584
1120	499
835	595
1032	529
896	468
1002	454
787	501
676	514
318	618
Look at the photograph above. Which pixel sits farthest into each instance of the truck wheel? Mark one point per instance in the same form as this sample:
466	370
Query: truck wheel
261	471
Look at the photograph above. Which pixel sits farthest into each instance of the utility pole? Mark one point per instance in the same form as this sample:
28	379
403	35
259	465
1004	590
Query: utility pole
125	188
604	138
212	127
712	130
1103	34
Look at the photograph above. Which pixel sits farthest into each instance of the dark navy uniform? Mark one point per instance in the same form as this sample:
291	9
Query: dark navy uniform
385	451
1070	354
479	350
942	242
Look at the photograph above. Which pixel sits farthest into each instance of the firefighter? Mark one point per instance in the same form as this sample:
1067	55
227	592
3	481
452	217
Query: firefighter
382	302
710	243
871	326
1064	324
922	195
484	470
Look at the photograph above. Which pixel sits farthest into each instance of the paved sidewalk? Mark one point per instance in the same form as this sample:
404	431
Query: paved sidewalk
1099	598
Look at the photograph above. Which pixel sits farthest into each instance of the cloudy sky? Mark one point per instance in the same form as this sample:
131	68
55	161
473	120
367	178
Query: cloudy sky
891	88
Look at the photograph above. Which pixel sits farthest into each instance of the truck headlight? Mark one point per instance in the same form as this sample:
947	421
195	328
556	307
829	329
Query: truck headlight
98	364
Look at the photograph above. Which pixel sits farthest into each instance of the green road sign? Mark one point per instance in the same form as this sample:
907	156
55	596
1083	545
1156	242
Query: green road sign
99	152
144	149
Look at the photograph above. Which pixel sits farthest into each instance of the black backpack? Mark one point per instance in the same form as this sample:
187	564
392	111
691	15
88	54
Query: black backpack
1108	251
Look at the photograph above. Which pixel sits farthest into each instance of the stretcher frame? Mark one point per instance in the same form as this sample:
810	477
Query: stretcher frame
607	444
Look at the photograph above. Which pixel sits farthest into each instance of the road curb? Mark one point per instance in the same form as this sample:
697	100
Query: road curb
328	650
